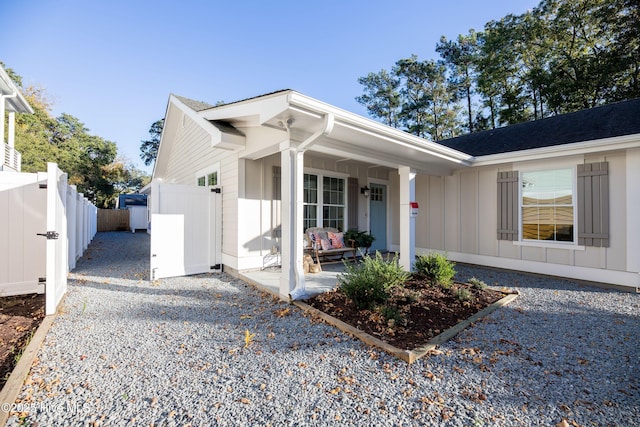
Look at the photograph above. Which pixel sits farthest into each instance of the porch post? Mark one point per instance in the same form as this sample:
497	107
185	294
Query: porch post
292	181
407	222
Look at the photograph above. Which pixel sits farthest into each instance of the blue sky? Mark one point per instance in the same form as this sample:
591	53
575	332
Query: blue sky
113	64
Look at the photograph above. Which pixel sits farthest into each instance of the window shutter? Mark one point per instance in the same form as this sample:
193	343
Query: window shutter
593	204
277	189
352	191
508	205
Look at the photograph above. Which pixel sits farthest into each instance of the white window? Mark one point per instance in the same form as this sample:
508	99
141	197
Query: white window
324	206
547	205
208	177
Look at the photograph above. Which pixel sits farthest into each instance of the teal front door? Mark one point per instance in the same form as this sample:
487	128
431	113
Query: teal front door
378	216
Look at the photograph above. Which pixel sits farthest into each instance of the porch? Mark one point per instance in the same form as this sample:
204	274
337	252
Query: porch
315	283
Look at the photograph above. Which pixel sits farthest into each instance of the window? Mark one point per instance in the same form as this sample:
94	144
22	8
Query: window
333	202
310	189
547	205
210	179
326	207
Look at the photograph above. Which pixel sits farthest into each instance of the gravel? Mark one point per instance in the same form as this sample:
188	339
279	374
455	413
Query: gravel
126	351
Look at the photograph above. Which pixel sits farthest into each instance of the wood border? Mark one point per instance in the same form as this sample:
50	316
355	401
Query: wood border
12	387
408	356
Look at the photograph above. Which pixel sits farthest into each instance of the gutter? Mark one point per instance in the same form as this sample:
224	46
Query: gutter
299	292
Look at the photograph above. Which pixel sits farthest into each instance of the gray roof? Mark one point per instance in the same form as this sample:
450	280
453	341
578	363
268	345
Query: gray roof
193	104
618	119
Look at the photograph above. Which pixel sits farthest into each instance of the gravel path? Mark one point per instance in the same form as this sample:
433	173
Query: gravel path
129	352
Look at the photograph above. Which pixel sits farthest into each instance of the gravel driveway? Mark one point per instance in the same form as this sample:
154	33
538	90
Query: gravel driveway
125	351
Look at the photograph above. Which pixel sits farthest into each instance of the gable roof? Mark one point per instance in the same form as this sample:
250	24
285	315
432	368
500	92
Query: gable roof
618	119
193	104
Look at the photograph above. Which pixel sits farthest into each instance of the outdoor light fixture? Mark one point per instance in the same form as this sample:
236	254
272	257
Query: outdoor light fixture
365	191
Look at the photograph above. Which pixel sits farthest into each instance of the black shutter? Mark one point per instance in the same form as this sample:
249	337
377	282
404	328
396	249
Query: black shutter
508	205
593	204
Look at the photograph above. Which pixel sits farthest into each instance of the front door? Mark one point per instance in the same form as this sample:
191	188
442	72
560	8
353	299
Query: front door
378	216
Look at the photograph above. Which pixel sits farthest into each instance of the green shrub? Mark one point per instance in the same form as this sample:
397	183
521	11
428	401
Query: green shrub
436	268
369	282
390	312
477	283
463	294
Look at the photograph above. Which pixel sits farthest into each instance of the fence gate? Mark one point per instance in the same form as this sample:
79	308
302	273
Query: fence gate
56	235
186	230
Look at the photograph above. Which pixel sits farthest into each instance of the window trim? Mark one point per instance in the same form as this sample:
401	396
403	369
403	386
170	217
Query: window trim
204	173
549	243
321	174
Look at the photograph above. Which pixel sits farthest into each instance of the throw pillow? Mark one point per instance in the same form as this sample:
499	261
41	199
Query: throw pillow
337	240
326	244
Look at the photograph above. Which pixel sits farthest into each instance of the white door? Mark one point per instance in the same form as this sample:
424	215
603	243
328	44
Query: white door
23	207
57	249
185	230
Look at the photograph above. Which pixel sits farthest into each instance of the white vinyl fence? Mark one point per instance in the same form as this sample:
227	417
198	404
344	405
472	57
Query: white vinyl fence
45	226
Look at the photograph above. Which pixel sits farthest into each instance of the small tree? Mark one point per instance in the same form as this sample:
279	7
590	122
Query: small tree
149	148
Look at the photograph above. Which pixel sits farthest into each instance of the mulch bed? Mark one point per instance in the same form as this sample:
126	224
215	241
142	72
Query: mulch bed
20	316
419	311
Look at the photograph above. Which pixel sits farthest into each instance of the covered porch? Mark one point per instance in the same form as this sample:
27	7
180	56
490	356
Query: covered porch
290	133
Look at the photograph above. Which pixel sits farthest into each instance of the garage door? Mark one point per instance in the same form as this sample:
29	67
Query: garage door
186	230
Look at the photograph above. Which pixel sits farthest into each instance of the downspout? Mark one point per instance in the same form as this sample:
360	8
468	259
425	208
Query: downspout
299	292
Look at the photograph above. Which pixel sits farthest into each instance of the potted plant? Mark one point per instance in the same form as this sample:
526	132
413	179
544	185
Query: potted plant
361	239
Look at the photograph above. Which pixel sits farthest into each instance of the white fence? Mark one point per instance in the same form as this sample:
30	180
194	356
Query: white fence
45	226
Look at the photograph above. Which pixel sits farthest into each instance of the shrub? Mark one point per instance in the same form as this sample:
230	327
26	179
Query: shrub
369	283
436	268
463	294
477	283
390	312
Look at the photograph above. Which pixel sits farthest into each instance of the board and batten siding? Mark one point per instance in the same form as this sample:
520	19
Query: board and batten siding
458	215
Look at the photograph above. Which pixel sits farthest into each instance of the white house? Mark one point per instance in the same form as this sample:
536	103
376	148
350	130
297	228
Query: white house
11	102
558	196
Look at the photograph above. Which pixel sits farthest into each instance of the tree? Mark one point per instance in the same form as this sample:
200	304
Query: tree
149	148
460	57
381	96
88	160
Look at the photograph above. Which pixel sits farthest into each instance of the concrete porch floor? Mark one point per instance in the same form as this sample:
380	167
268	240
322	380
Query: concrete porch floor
315	283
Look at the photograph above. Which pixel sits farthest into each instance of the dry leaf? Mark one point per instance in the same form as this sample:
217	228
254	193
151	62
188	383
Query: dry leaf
563	423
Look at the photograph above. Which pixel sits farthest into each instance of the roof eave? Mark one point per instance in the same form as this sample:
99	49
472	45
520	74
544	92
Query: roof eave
583	147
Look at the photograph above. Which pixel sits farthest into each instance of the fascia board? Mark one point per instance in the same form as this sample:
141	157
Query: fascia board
251	112
19	103
379	130
598	145
168	125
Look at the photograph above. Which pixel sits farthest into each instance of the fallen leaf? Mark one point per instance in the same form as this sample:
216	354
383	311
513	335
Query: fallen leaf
563	423
245	401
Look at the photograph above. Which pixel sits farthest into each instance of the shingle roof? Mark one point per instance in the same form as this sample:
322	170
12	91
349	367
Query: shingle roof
618	119
193	104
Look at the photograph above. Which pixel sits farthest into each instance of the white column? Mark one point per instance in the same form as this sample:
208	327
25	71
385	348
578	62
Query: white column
2	101
12	129
292	181
407	222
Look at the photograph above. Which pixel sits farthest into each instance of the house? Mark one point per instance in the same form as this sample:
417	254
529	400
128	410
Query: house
237	183
11	102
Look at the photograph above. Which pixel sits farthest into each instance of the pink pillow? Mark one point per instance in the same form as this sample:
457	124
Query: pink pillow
337	239
326	244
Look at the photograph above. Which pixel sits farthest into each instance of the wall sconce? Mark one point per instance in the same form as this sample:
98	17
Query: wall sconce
365	191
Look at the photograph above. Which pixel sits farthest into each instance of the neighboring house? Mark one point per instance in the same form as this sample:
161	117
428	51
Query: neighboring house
11	102
557	196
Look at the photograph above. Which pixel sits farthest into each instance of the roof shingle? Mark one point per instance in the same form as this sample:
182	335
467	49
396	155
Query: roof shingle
618	119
